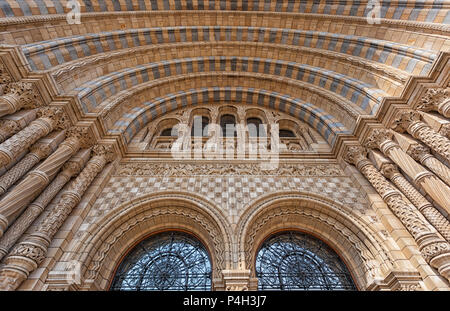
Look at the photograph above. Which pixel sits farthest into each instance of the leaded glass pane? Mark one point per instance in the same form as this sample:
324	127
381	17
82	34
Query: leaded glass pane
166	261
298	261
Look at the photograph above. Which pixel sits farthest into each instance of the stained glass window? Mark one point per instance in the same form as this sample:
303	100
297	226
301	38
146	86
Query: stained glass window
166	261
298	261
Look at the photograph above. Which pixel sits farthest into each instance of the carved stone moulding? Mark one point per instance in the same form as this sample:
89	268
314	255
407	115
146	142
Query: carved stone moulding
398	281
190	169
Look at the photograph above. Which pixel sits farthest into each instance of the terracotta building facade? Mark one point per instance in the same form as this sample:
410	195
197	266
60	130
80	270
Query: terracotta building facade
224	145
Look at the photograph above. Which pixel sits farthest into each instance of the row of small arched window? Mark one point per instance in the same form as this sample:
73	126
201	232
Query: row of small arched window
228	126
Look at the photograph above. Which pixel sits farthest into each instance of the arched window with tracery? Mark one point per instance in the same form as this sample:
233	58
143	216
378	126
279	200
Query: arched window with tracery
165	261
298	261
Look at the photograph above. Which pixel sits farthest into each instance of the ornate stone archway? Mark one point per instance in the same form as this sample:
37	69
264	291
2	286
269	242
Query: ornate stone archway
358	245
100	253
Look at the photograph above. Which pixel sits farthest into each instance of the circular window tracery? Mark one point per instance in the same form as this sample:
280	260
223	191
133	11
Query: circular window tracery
298	261
165	261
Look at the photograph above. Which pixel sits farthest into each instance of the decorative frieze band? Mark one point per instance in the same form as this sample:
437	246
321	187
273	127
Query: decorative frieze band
226	169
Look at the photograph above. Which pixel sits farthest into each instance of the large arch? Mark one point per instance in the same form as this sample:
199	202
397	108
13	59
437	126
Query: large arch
102	249
128	63
358	245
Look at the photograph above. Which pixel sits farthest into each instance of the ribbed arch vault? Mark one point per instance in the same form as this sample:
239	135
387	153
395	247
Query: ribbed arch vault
128	62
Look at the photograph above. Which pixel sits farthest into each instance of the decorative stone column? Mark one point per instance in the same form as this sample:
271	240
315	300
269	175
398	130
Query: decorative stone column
439	191
20	95
434	249
422	154
427	209
16	200
411	122
436	100
70	169
28	254
49	119
8	128
37	152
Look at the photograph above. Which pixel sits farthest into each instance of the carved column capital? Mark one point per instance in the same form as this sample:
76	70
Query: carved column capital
20	95
389	170
418	152
8	128
80	134
5	78
404	119
41	150
355	155
72	168
51	114
32	251
236	280
436	99
27	94
104	151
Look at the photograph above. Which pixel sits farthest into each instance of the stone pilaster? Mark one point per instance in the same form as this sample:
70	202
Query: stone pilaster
382	140
37	153
70	169
427	209
411	122
49	119
436	100
20	95
434	249
28	254
422	154
16	200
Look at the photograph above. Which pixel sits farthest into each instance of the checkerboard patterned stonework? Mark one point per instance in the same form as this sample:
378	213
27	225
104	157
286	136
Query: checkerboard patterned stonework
230	191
